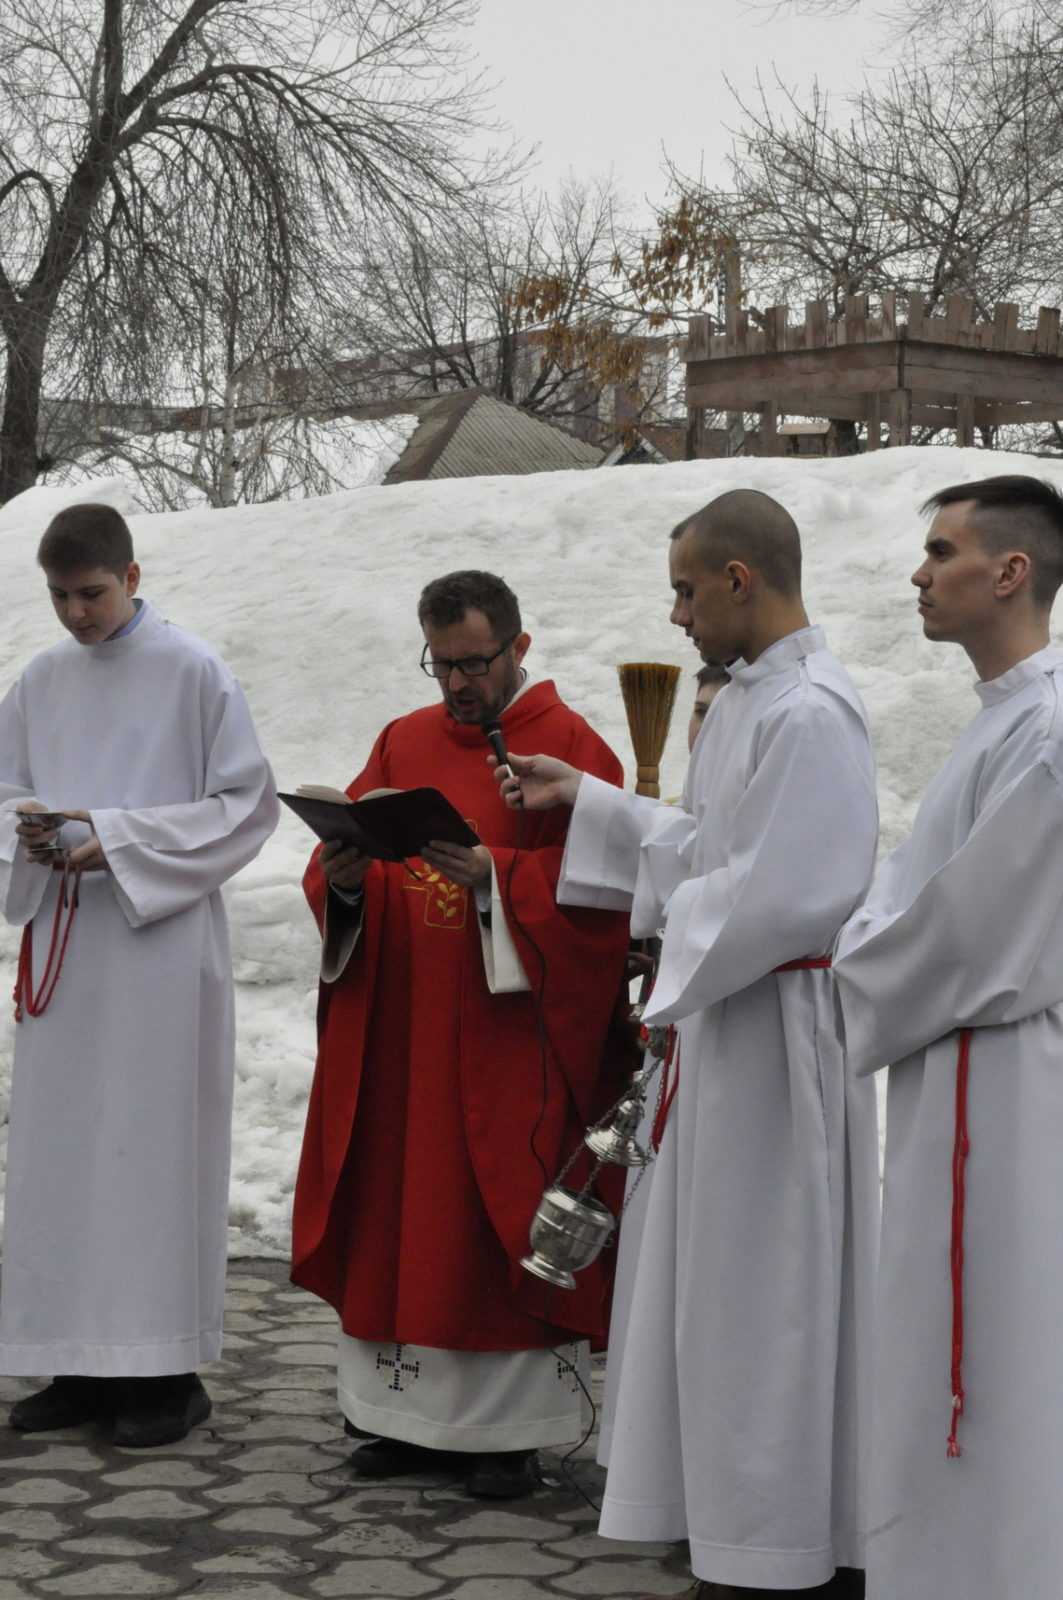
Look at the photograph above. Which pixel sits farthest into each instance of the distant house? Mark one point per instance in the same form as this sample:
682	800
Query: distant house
471	434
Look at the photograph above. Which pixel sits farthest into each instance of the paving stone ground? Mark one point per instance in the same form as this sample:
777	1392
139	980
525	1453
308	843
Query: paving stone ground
260	1503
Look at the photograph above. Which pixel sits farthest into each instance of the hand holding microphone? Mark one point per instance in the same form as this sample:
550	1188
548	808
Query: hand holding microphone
538	783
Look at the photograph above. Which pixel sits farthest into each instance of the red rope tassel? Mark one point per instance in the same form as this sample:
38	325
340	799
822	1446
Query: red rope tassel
669	1086
806	964
25	999
960	1150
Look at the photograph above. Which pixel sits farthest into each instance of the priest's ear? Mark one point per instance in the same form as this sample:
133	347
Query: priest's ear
520	647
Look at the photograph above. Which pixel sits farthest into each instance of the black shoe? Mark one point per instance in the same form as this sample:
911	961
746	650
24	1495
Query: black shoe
396	1458
504	1475
65	1403
356	1433
157	1411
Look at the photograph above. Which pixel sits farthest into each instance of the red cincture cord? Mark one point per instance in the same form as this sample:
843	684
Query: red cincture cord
25	999
669	1086
960	1150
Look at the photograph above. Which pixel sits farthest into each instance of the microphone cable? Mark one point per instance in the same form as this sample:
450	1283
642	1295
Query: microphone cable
493	733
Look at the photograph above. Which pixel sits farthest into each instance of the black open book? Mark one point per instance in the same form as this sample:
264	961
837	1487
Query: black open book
388	824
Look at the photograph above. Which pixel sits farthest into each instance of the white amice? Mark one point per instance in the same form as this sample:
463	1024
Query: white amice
738	1415
466	1400
118	1152
963	928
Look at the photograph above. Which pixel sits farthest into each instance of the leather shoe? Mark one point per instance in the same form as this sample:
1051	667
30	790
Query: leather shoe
65	1403
503	1475
397	1458
353	1432
156	1411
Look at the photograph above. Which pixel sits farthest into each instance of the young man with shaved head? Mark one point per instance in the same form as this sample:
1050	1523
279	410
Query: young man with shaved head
952	973
736	1423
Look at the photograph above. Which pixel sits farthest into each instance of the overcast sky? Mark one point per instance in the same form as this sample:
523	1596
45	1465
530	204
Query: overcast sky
605	84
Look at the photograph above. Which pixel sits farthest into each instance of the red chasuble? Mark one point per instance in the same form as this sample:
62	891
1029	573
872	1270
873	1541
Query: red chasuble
439	1112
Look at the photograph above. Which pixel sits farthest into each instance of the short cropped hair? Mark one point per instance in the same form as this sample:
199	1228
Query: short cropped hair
445	601
711	672
85	536
1015	512
748	526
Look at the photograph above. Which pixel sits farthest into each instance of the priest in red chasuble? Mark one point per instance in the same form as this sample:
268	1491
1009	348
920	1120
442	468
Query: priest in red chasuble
469	1029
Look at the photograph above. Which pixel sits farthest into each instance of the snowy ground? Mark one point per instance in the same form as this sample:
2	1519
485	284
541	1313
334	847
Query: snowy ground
314	605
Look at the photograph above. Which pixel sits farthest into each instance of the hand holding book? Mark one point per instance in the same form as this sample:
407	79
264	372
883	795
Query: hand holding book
386	825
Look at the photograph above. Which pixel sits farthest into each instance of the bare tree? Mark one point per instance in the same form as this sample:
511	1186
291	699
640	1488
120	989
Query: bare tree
159	154
515	300
943	180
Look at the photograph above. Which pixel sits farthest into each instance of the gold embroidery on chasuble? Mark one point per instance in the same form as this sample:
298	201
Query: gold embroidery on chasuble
446	904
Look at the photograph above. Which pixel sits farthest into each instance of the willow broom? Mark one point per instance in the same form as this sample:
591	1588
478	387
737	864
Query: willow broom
649	689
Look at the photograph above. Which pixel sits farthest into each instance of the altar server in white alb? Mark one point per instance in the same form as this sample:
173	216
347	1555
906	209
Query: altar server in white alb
738	1422
118	1155
952	973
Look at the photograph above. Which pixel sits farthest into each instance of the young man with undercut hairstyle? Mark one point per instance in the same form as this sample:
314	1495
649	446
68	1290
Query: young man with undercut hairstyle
737	1421
464	1044
951	974
134	743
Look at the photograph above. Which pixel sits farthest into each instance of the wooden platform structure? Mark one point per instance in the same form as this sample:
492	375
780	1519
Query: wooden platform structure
948	370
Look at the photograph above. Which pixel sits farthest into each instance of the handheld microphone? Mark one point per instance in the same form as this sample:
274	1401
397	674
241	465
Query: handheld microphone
493	735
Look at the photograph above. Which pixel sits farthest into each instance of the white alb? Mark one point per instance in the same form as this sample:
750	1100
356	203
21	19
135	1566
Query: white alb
737	1416
964	928
118	1154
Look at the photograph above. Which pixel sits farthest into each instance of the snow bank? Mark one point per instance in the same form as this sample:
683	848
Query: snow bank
314	605
37	506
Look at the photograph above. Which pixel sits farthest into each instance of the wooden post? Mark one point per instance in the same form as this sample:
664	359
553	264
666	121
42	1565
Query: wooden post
900	417
965	421
1046	339
916	314
889	314
698	348
874	420
769	434
1005	325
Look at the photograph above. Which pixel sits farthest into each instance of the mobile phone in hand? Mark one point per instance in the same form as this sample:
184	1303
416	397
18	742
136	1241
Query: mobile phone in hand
41	819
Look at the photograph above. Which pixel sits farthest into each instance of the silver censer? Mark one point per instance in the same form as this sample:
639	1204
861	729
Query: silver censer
570	1228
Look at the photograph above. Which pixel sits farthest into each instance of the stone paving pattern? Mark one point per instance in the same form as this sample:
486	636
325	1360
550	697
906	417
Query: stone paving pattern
260	1502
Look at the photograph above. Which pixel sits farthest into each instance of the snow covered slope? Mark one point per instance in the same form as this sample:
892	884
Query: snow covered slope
314	605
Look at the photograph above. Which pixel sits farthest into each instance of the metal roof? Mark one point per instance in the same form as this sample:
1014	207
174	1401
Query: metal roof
472	435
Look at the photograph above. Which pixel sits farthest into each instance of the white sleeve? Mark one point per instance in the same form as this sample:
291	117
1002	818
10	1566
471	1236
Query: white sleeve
602	864
165	858
802	846
344	920
980	944
22	882
502	964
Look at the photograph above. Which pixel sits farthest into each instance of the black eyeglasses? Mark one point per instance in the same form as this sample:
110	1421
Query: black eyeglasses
468	666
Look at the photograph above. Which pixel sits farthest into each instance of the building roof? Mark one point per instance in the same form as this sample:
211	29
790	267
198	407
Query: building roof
653	442
472	434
